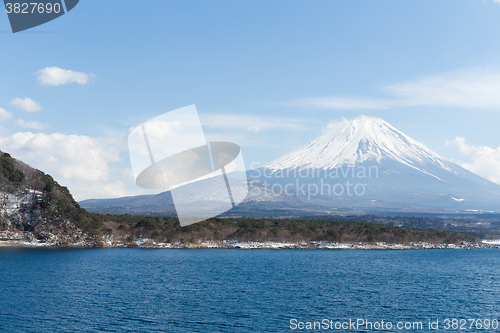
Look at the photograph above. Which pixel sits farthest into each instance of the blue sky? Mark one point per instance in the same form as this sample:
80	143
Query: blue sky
268	75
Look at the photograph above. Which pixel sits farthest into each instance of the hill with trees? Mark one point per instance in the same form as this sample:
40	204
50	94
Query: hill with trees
167	229
36	208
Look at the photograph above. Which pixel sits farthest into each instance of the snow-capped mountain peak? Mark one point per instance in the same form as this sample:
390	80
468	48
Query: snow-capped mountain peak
356	141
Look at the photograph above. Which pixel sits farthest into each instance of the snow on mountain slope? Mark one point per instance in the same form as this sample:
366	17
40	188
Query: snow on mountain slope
362	139
407	173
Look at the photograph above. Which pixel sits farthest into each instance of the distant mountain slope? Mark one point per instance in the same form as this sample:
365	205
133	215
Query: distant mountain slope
162	203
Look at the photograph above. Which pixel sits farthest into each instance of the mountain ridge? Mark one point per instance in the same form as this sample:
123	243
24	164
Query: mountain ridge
409	177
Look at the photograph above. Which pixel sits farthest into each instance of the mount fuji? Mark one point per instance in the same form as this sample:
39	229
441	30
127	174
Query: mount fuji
367	164
357	141
363	166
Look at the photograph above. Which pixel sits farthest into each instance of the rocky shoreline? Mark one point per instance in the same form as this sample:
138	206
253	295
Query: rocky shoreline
17	238
108	242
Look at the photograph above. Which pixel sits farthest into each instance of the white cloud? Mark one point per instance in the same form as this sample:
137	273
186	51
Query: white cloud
341	103
55	76
89	167
474	88
241	129
5	115
464	89
254	124
68	157
254	128
30	124
485	160
27	104
335	126
100	190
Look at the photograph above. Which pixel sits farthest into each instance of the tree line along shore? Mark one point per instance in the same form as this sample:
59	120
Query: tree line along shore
36	210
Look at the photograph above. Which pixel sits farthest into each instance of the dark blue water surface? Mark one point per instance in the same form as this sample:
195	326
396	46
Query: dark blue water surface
139	290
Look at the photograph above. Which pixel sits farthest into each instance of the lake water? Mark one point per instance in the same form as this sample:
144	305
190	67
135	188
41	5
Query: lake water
140	290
